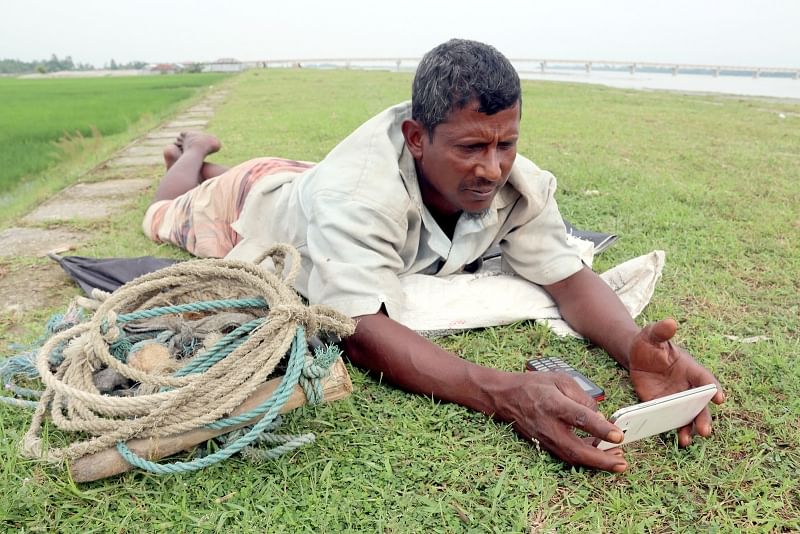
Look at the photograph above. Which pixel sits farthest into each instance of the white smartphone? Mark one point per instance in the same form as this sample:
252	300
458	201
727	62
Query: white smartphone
659	415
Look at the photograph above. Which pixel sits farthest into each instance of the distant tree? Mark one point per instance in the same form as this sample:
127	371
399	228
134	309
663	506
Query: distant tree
10	66
15	66
194	68
135	65
55	64
113	65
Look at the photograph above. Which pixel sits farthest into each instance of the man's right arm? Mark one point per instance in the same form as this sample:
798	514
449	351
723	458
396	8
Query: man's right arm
544	406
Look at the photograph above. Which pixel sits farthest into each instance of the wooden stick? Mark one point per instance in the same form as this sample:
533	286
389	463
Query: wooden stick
109	462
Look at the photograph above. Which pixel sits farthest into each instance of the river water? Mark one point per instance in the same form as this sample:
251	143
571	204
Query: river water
764	86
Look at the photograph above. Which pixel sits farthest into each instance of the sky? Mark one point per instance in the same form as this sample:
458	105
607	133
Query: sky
729	32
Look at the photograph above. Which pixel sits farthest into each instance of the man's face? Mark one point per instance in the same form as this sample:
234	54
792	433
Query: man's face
468	160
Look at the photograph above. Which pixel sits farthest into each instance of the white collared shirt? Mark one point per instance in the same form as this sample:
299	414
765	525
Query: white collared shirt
358	221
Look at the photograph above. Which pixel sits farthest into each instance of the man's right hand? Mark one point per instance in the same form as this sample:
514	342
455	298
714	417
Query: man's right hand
544	406
548	407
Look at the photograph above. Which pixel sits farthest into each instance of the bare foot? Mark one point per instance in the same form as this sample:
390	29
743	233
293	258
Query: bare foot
171	154
206	143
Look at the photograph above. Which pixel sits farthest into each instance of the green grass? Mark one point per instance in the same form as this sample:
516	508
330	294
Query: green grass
711	180
46	121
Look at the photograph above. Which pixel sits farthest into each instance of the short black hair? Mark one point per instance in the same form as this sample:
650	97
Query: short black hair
457	72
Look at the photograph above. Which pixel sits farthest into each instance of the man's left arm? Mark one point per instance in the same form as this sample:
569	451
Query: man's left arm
657	366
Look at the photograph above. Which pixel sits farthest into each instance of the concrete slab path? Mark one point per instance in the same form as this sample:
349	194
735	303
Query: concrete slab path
25	287
91	201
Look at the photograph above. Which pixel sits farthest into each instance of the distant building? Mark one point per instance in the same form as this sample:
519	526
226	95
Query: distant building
164	68
227	64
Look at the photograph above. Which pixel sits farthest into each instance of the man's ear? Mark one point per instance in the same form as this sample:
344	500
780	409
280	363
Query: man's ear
414	132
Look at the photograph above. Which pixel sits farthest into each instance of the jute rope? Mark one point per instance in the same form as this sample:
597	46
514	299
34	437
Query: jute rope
181	402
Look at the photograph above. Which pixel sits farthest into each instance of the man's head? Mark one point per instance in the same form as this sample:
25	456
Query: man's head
456	72
464	127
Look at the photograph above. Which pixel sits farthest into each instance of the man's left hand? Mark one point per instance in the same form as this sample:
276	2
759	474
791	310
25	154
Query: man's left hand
658	368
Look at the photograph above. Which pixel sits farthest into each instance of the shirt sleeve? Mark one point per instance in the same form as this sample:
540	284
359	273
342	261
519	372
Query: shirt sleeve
354	255
537	249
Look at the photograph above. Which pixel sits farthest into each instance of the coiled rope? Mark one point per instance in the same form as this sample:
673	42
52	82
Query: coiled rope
207	388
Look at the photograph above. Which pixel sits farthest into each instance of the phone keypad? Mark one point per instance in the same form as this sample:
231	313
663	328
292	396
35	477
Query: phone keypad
550	364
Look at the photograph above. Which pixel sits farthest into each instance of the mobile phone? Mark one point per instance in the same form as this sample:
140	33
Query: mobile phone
557	364
659	415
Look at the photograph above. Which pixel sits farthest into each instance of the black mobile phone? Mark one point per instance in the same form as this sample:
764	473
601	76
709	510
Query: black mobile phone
557	364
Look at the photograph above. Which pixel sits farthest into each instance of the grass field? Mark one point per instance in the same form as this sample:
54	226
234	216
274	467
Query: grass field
45	121
713	181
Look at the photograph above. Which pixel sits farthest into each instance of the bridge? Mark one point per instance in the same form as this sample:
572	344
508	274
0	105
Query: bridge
541	63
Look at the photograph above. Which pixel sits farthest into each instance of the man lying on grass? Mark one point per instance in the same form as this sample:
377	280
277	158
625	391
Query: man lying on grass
427	188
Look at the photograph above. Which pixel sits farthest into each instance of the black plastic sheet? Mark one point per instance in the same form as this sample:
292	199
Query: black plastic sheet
107	274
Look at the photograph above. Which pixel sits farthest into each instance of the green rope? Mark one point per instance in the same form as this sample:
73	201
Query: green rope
319	368
124	345
20	403
312	387
308	376
22	364
220	350
300	370
278	399
206	305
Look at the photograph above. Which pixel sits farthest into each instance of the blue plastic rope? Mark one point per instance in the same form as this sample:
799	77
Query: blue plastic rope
279	398
220	350
297	372
206	305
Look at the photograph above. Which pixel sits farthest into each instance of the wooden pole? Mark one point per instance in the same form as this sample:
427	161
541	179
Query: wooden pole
109	462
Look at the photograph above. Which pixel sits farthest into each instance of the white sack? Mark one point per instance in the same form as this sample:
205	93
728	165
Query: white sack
490	297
